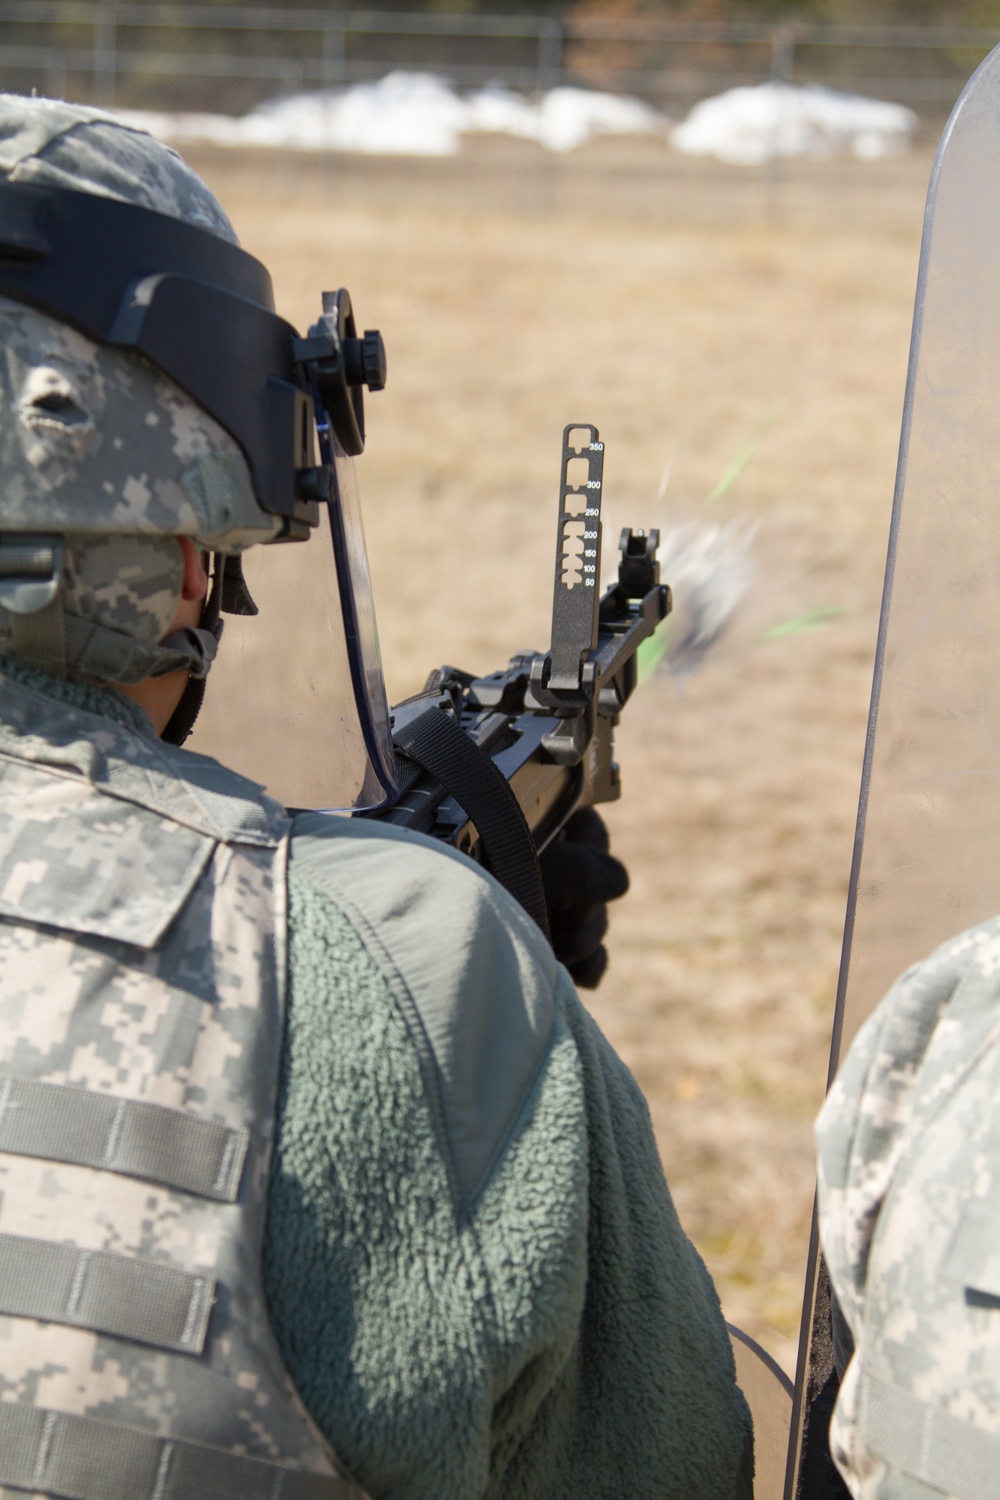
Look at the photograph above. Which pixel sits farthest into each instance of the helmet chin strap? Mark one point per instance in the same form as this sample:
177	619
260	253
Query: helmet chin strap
202	641
198	645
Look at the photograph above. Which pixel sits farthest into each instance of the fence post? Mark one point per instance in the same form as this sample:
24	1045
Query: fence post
104	64
55	76
550	51
782	68
334	65
783	52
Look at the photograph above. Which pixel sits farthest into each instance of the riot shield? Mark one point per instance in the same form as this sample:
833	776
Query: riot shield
927	847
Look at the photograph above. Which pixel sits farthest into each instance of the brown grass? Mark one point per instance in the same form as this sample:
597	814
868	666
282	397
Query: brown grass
676	331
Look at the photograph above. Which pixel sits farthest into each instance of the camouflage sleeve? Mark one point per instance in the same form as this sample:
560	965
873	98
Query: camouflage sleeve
861	1128
909	1188
473	1266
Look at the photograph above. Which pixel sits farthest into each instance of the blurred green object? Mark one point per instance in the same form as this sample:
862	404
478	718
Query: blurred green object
736	465
810	619
652	652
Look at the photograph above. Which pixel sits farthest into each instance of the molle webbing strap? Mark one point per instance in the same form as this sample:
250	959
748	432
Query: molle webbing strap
126	1297
948	1454
101	651
31	618
82	1458
58	642
167	1146
469	775
39	639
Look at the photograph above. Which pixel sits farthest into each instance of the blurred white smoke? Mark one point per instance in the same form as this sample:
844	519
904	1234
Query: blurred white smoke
709	568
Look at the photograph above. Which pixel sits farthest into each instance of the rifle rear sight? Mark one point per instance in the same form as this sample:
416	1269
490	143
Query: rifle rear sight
582	661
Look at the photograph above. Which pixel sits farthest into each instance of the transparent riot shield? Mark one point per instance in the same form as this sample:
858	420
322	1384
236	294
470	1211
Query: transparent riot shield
295	698
927	860
927	848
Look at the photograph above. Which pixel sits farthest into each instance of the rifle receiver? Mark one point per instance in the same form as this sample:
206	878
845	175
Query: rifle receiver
546	721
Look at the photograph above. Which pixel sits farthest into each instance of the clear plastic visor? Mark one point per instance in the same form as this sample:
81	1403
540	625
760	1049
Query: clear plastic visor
295	699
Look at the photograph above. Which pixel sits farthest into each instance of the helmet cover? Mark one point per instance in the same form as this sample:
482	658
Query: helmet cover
97	446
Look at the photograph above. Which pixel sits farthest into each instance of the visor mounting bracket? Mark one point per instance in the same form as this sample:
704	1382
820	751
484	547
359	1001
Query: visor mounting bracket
336	363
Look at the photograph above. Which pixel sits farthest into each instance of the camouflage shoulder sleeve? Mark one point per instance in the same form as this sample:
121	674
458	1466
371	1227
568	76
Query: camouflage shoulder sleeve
861	1128
909	1149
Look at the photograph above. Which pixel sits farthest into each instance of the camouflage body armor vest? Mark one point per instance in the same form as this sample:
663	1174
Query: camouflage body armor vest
142	960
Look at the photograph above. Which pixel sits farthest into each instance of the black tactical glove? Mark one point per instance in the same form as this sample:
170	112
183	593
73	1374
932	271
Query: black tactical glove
580	877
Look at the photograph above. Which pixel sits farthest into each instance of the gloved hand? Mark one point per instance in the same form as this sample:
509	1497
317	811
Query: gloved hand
580	877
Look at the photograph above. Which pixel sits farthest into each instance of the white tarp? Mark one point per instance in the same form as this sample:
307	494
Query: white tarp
420	114
753	125
410	114
562	118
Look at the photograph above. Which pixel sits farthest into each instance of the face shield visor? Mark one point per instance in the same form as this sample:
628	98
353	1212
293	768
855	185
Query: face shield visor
296	698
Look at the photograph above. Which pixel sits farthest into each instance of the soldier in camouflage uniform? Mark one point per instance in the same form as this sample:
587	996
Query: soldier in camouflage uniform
314	1173
909	1150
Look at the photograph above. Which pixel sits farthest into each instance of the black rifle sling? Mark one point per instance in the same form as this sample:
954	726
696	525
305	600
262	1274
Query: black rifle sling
468	774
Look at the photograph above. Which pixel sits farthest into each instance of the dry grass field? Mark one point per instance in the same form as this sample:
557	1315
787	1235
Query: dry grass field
681	311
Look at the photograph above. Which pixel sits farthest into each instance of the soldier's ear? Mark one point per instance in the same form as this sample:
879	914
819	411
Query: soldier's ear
195	571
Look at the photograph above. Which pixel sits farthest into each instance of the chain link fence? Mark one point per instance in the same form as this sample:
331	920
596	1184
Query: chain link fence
229	58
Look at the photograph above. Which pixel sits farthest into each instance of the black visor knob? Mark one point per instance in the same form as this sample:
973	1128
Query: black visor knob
373	359
364	360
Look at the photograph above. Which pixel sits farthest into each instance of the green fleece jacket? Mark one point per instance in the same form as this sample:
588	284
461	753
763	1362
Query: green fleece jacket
472	1263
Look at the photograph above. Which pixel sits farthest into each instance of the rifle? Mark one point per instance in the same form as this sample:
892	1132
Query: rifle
497	765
